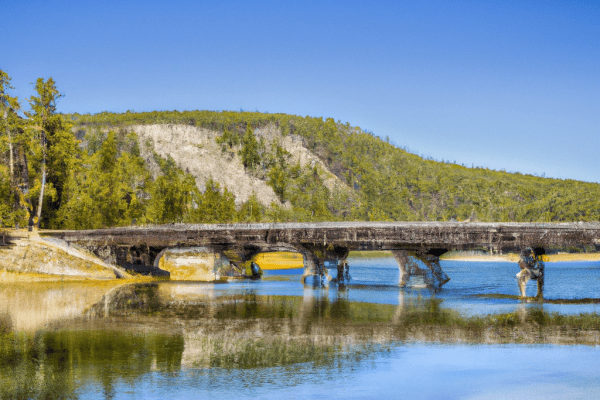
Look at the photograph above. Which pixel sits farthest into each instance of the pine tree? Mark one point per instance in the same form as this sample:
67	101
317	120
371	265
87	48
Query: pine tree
249	151
105	192
252	210
9	126
228	139
172	195
8	108
214	205
56	150
278	181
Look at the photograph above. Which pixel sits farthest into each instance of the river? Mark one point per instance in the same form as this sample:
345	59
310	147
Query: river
277	338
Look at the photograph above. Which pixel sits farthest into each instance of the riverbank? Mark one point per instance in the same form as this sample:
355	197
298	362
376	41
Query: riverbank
30	258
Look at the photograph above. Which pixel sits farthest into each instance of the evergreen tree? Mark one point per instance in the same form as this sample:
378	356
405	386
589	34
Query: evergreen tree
110	192
278	181
249	151
172	195
55	152
104	194
9	128
310	197
252	210
8	109
6	212
277	213
228	139
215	206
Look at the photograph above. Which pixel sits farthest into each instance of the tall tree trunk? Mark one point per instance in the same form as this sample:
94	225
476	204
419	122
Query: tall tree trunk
41	201
24	177
10	150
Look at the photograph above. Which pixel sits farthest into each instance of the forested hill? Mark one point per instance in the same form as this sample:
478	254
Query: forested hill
91	171
386	182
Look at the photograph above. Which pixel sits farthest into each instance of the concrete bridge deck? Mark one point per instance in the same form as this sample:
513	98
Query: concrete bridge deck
413	243
354	235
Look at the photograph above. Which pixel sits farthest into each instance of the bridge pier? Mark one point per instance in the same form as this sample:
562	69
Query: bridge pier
313	266
412	265
239	255
532	268
343	271
340	254
314	262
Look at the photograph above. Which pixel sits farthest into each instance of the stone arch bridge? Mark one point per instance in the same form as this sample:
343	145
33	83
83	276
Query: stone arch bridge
415	245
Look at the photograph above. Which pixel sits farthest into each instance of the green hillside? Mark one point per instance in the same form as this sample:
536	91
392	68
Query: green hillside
391	183
87	171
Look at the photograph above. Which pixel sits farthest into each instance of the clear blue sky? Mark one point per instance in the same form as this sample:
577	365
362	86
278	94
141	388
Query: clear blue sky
509	85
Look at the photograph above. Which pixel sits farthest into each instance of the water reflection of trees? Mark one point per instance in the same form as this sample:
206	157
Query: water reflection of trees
136	329
318	317
57	364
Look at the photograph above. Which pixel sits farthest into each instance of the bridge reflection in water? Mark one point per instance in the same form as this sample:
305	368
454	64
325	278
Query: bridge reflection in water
415	245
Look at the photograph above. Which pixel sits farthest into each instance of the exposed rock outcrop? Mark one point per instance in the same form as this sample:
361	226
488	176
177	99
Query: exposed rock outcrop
31	257
195	151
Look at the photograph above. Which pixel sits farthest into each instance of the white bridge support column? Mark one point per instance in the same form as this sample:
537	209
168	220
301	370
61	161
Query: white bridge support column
423	264
405	264
532	268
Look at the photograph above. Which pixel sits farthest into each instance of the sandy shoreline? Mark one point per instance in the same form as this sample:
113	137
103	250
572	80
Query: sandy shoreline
507	258
560	257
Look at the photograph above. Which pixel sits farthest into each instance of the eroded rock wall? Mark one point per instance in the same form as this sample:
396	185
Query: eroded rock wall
34	258
195	151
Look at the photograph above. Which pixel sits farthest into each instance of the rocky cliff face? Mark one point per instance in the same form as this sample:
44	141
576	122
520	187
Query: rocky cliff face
196	151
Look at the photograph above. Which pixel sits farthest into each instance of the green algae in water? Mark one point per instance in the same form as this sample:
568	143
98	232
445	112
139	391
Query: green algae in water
57	364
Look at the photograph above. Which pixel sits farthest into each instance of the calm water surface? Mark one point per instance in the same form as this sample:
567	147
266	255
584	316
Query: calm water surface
277	338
